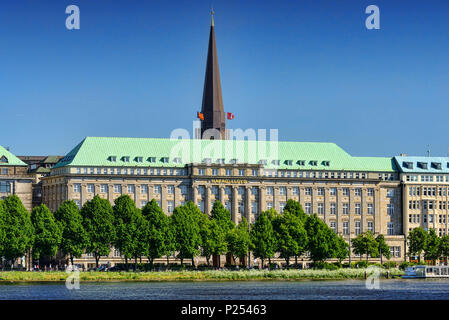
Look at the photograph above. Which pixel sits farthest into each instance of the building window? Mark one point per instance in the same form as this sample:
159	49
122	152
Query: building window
254	207
371	226
269	191
228	191
170	206
370	208
334	226
255	191
201	206
295	191
170	189
358	208
77	188
390	228
144	189
214	191
241	191
346	208
215	172
320	208
131	188
229	172
91	188
241	208
78	203
117	188
333	191
241	172
281	206
201	190
183	189
283	191
346	191
390	193
308	191
104	188
370	192
358	228
358	192
255	172
320	191
5	187
308	207
201	172
390	209
333	208
228	205
143	203
157	189
346	228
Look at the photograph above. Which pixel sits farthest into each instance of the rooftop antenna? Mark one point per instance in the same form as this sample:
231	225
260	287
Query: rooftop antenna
428	150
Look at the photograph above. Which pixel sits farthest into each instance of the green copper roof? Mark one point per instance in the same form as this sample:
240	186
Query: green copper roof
151	152
8	159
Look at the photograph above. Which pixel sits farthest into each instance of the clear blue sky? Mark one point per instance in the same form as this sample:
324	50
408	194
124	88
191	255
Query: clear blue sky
309	68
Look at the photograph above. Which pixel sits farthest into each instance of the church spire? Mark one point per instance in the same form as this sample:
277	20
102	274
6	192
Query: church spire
212	107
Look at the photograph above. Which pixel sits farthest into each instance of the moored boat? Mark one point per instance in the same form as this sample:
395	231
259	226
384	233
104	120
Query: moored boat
421	271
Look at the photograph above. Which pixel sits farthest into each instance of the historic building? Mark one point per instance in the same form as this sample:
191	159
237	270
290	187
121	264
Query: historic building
351	194
14	178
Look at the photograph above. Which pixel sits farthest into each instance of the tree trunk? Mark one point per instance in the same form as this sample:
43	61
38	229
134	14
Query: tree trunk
71	259
207	260
126	263
167	261
182	259
97	260
296	261
193	262
135	264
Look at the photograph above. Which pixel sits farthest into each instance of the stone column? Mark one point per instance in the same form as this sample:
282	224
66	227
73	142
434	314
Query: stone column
248	203
207	206
111	193
164	198
234	206
195	194
262	201
83	194
222	194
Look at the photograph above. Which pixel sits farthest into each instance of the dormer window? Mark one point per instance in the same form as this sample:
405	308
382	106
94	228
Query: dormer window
151	159
125	159
408	165
164	159
313	162
301	163
436	165
275	162
3	159
207	160
177	160
288	162
233	161
263	161
422	165
325	163
221	161
138	159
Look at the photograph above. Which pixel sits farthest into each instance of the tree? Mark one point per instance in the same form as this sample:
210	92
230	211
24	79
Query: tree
224	221
383	248
47	232
417	241
186	230
125	219
341	249
140	234
160	239
262	236
98	221
213	239
74	238
295	208
365	243
19	233
239	240
432	246
320	239
444	246
291	237
2	224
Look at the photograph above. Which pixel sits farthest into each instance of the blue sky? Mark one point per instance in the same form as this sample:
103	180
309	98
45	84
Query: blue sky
309	68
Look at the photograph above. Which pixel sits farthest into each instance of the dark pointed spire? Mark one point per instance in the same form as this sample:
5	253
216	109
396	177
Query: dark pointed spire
212	108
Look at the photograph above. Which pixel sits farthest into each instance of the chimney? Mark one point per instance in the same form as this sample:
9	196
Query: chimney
404	154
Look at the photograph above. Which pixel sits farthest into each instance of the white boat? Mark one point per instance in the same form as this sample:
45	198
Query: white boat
426	272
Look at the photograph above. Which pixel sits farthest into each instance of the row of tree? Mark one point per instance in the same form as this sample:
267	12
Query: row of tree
149	232
428	244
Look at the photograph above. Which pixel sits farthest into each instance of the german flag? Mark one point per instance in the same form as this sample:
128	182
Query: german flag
200	116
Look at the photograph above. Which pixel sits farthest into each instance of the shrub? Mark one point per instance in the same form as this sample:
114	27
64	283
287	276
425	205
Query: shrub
389	265
326	266
359	264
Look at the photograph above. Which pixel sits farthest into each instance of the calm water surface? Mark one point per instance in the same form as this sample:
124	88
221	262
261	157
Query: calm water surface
264	290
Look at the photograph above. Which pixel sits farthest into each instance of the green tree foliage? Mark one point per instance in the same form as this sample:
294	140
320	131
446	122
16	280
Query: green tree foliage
47	232
222	216
213	238
321	239
365	243
341	249
19	233
444	246
416	242
291	237
2	224
140	233
74	238
160	235
432	246
295	208
239	240
263	237
98	221
382	247
186	230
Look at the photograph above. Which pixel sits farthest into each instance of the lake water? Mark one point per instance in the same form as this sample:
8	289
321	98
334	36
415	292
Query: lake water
262	290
